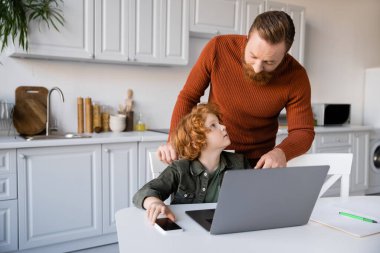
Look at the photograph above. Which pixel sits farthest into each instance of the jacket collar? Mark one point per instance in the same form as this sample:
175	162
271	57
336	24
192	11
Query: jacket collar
197	168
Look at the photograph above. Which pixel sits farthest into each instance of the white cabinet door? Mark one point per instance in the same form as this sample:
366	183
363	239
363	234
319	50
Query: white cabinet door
145	174
59	194
144	30
8	176
111	30
174	44
250	10
73	40
8	226
7	161
119	180
215	17
276	6
121	31
298	15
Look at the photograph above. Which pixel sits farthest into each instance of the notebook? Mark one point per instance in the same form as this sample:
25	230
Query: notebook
328	214
252	200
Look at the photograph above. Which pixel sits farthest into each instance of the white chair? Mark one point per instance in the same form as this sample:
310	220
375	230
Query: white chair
156	166
340	168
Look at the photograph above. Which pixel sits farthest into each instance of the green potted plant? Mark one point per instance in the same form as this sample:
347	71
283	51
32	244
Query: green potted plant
16	15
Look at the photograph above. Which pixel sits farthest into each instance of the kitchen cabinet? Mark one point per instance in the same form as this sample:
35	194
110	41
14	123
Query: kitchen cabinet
69	190
336	141
72	192
120	172
74	40
8	201
123	31
224	21
160	32
145	174
237	16
60	196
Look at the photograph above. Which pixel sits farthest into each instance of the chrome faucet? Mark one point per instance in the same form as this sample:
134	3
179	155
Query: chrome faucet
48	107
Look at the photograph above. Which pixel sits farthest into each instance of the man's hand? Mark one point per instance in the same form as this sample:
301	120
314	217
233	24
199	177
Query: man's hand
273	159
166	153
155	207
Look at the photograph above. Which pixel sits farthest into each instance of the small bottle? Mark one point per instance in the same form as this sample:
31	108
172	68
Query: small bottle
140	126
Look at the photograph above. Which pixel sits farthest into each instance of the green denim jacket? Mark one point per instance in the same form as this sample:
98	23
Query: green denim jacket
187	180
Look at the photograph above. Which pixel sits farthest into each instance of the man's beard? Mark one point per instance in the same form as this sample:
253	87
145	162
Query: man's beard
261	78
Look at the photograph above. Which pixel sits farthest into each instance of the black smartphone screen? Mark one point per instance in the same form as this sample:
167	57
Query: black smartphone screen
166	224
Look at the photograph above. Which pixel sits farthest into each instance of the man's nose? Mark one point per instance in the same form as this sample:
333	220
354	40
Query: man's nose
257	67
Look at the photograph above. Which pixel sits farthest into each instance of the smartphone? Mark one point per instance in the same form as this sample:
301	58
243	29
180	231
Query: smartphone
166	225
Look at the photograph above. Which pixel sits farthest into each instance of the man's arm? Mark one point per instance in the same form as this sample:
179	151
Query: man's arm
300	125
299	117
194	88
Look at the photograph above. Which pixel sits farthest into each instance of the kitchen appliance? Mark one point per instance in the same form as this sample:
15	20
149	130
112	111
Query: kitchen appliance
29	116
374	163
371	117
327	114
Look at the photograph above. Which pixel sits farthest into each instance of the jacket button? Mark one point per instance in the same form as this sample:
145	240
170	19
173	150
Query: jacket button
203	189
205	174
185	195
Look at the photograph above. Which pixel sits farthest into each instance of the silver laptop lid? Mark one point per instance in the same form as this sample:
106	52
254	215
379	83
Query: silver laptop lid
268	198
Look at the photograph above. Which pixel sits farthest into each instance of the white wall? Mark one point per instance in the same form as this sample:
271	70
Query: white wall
155	88
342	39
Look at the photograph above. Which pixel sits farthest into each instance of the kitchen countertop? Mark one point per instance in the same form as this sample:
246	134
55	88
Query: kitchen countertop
110	137
331	129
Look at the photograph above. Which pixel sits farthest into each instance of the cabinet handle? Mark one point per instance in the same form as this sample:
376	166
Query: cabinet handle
22	156
106	150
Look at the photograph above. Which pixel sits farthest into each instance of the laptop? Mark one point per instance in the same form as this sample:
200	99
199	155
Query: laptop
251	200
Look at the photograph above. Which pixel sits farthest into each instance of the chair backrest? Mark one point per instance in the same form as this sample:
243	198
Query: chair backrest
156	166
340	168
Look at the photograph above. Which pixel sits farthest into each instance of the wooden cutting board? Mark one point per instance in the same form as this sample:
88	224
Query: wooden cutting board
29	116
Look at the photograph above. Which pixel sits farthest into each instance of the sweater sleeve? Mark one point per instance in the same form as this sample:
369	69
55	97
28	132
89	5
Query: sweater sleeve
299	117
196	84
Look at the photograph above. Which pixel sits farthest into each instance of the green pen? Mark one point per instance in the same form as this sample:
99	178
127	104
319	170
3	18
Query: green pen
357	217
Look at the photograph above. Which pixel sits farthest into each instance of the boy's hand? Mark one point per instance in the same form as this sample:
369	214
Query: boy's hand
156	208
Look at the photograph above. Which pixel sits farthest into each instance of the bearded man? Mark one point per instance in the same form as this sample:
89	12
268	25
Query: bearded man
252	78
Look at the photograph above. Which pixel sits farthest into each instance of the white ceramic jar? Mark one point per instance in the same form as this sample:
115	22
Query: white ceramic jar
117	122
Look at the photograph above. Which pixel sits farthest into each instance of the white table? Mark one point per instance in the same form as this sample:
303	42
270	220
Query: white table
136	234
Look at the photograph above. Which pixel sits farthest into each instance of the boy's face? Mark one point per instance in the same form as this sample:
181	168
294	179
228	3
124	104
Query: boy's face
217	137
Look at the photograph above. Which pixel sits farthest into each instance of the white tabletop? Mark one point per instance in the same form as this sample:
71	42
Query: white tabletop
136	234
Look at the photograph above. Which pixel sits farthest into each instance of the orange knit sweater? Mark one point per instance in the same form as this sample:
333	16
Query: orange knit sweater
250	111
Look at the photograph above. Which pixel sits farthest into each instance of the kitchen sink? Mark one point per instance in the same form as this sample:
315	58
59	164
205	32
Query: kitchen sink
56	137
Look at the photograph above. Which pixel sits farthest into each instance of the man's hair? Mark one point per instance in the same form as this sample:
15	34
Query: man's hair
274	27
190	136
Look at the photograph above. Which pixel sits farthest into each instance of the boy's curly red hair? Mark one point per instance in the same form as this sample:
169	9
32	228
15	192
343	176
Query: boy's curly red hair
190	136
